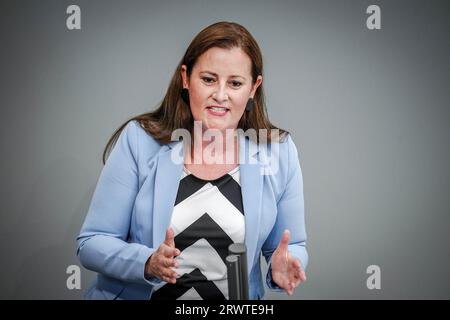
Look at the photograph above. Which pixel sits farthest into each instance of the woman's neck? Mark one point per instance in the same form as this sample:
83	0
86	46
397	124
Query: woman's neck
214	147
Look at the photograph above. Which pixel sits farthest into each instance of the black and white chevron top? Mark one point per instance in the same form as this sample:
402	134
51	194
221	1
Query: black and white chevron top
207	217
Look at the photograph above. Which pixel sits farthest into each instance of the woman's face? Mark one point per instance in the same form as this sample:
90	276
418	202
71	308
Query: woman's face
219	87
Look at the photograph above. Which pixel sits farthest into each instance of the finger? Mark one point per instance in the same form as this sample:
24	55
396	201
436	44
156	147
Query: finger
173	263
294	263
289	291
169	279
292	288
168	273
170	235
169	262
297	264
283	245
297	280
302	275
294	276
296	269
169	252
286	285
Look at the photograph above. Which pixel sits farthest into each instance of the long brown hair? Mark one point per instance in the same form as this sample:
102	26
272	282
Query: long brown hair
174	113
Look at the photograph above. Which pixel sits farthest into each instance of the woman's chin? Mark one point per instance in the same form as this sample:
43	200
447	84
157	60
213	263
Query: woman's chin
216	125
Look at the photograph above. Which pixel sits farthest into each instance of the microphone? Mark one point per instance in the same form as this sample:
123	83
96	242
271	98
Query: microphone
236	263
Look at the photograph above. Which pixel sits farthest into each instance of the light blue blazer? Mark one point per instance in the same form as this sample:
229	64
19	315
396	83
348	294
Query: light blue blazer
132	205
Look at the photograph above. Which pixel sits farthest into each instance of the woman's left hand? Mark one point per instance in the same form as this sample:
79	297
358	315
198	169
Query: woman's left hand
286	270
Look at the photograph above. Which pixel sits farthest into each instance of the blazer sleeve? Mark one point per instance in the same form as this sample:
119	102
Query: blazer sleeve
102	242
290	215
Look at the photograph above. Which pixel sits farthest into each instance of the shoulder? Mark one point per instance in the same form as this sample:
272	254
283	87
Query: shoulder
291	150
283	151
291	156
135	131
280	161
142	144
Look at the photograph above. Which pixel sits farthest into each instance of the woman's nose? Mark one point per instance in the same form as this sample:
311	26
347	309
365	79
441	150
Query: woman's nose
220	94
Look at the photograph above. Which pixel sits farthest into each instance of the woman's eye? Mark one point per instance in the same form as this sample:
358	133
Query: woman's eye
235	84
208	80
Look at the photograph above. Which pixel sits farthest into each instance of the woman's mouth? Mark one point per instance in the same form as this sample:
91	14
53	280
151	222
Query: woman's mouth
217	110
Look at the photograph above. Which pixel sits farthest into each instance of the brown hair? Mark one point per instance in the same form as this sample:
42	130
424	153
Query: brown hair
174	113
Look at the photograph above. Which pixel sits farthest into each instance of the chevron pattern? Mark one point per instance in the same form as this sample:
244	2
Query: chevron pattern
208	216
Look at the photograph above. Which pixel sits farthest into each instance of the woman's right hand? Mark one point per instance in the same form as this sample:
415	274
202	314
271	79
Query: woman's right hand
161	262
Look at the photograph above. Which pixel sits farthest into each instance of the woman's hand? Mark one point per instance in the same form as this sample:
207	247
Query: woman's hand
286	270
162	260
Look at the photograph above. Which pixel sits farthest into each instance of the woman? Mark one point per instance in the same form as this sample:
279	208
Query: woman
158	227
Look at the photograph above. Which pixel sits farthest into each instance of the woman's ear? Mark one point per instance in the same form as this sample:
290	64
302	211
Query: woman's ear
256	85
184	77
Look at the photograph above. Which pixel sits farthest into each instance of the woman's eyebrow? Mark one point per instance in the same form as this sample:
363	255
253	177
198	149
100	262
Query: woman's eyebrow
215	74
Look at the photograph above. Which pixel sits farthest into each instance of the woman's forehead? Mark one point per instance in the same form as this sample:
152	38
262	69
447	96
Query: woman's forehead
229	62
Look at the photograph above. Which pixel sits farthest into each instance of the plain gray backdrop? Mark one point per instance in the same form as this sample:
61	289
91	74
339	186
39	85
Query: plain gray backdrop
368	110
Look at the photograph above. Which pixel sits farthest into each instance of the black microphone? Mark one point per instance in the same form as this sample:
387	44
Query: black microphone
237	272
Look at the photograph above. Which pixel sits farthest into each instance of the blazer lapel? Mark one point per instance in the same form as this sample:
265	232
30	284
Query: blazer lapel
167	180
251	187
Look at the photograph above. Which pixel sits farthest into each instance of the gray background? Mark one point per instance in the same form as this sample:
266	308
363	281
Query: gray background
368	110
